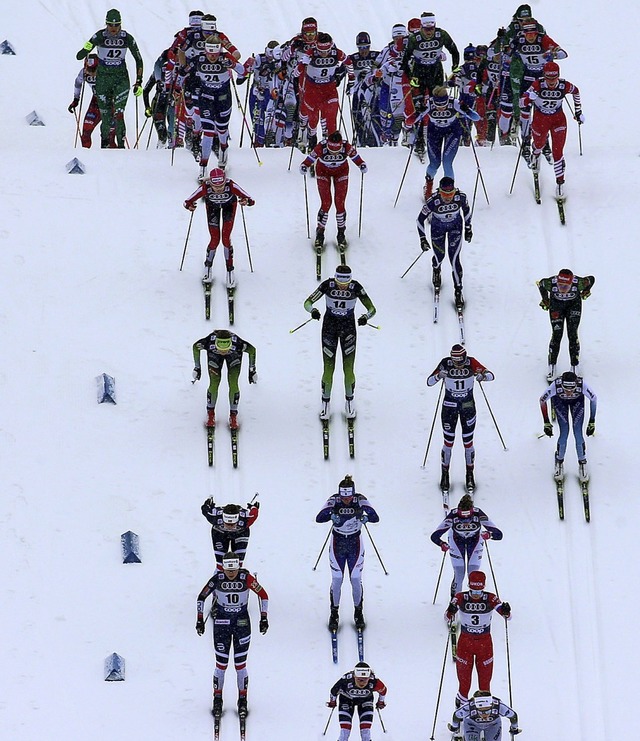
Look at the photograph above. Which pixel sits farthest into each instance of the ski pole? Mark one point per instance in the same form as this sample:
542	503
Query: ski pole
184	252
573	113
324	545
77	115
386	573
326	727
475	191
444	664
373	326
492	416
493	575
506	637
413	263
515	172
244	120
384	730
479	172
300	326
306	204
144	126
246	237
135	146
404	174
433	424
435	594
361	193
246	103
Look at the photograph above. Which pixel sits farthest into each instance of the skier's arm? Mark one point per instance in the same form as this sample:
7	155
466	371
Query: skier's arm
251	352
135	53
197	347
190	203
256	587
89	45
437	374
451	47
367	303
551	391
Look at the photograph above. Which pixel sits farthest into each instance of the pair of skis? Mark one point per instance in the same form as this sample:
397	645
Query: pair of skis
351	437
459	313
334	644
560	200
584	488
207	301
217	722
319	248
211	438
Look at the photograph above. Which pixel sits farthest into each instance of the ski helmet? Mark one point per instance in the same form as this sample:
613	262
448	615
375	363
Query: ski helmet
569	381
209	23
363	39
398	30
334	142
458	354
231	561
362	670
213	44
343	275
477	580
309	28
447	186
428	20
414	25
230	514
469	53
524	11
481	51
217	177
551	70
347	487
324	43
565	277
529	26
113	18
195	18
223	341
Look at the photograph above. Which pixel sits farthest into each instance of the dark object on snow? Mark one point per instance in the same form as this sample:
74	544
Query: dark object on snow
130	547
106	388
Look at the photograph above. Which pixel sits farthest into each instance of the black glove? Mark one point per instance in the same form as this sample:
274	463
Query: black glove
197	372
362	320
315	314
200	626
506	609
501	32
207	506
73	105
464	107
468	233
264	624
548	429
255	504
544	304
591	428
253	374
424	244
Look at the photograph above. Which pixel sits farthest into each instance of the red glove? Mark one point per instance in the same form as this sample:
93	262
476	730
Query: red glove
444	547
486	535
190	205
331	704
381	705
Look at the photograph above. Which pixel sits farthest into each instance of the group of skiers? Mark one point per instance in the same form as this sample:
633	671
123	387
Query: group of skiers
400	89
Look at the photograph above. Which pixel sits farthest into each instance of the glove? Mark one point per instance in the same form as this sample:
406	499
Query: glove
137	89
544	304
464	107
579	117
486	535
480	377
362	320
255	504
455	70
451	612
349	87
515	731
441	374
197	373
585	294
264	624
363	168
253	374
591	428
468	233
413	82
549	56
246	202
303	169
73	105
207	506
190	205
335	518
148	112
548	429
501	33
506	609
424	244
453	729
364	518
315	314
381	705
444	547
200	626
332	703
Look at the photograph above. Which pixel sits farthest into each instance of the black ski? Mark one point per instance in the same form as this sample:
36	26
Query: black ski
445	497
453	633
460	313
231	303
207	299
334	645
560	203
342	251
436	304
584	488
216	728
211	434
360	635
234	447
325	438
242	719
352	437
560	496
536	187
318	248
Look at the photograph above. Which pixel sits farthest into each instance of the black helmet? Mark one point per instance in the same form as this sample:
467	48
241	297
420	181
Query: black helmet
469	52
363	39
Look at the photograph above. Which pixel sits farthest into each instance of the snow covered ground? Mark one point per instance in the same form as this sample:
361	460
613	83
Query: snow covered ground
90	284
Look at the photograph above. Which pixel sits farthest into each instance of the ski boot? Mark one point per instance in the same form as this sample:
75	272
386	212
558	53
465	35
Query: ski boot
558	471
324	411
559	187
546	150
334	619
470	481
583	474
419	148
242	706
444	478
534	162
506	140
552	372
436	278
319	243
526	148
458	298
202	175
211	418
207	278
453	587
222	157
231	278
341	238
350	407
233	420
358	617
216	710
428	188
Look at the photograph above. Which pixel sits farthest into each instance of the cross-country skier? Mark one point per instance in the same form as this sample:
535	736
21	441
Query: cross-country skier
221	197
223	347
562	296
423	56
330	157
567	395
475	645
229	527
348	511
468	528
447	211
339	326
483	714
87	76
112	79
231	623
458	372
355	690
